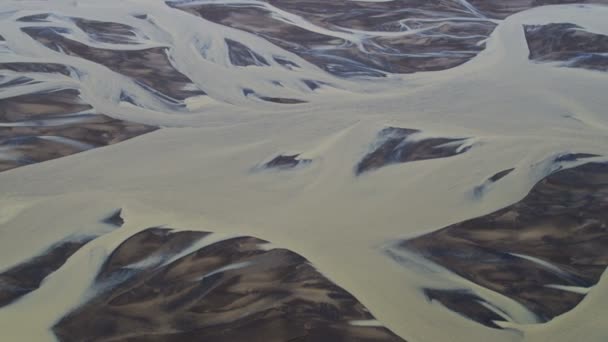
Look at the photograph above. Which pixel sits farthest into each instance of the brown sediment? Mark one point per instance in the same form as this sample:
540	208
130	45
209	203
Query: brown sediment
444	46
500	9
31	144
52	68
36	18
286	162
150	67
27	277
286	63
30	150
556	235
312	85
226	291
370	16
107	32
574	157
41	105
115	219
241	55
567	43
6	82
152	242
49	125
23	278
500	175
392	147
479	190
95	130
280	100
465	303
454	34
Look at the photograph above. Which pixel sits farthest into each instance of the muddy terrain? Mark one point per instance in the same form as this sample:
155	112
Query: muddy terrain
533	251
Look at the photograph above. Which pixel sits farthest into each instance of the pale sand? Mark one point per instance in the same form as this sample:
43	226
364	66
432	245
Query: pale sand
518	114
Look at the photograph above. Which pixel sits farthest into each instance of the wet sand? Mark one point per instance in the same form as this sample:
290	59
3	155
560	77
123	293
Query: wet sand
286	80
500	10
36	67
567	43
150	68
284	162
26	277
107	32
241	55
393	146
531	251
157	286
386	36
443	44
48	125
280	100
466	303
